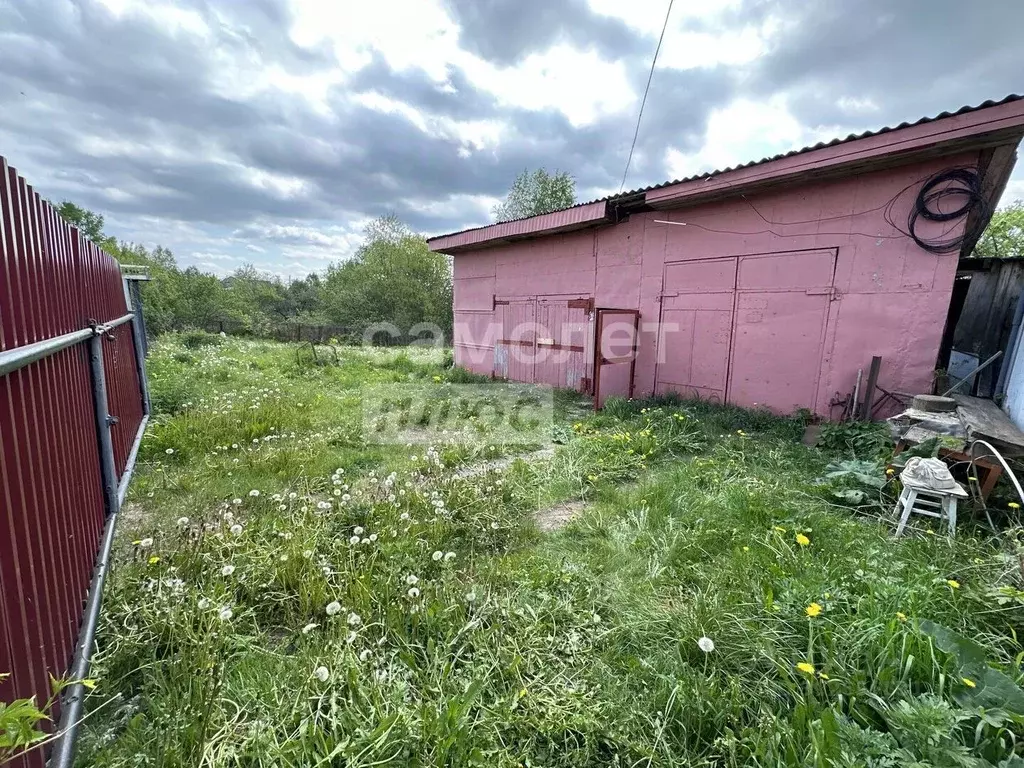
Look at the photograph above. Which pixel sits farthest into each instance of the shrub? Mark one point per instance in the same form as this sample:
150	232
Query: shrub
197	339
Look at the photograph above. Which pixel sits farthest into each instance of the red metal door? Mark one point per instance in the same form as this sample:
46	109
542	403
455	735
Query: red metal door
695	332
782	309
615	335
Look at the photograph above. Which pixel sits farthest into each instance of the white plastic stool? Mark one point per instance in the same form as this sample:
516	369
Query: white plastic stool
925	500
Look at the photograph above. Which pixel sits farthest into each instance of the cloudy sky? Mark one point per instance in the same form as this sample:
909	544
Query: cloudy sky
271	131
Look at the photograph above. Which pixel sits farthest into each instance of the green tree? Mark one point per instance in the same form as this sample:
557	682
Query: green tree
89	222
1004	236
535	193
393	278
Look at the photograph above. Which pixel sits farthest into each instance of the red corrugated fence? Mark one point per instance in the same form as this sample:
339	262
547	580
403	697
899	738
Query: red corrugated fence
52	511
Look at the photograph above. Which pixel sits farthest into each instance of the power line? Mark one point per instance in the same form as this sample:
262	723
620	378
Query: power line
643	102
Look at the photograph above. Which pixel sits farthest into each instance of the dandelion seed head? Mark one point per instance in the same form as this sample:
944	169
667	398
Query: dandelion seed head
438	554
333	608
309	628
322	674
183	521
225	613
413	592
354	619
706	644
227	570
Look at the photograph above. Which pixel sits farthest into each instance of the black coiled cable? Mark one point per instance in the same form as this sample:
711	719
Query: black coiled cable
962	183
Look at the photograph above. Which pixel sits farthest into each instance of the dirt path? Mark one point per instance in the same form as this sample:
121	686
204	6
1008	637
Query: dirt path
548	519
502	464
553	518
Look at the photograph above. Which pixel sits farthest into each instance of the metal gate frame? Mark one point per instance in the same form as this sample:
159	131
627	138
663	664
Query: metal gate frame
600	360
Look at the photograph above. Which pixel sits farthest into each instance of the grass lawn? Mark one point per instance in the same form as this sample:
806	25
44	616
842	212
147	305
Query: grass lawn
288	595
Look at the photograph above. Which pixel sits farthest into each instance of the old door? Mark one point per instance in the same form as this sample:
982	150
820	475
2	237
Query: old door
615	340
695	329
562	333
782	310
515	351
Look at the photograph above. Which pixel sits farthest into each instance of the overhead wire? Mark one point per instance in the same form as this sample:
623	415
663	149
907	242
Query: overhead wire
643	101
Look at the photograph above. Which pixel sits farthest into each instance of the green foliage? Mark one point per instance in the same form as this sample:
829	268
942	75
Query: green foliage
855	482
21	720
19	725
394	278
859	439
88	222
1004	236
197	339
535	193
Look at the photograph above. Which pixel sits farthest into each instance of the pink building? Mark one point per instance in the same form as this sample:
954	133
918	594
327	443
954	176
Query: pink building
770	284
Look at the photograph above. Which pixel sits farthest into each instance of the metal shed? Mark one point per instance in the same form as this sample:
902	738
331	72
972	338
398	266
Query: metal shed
767	285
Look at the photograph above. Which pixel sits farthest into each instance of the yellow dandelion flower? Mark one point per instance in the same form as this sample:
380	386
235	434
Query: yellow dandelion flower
806	667
154	560
1013	505
591	478
823	676
901	615
813	610
740	432
802	540
968	682
953	583
746	549
890	471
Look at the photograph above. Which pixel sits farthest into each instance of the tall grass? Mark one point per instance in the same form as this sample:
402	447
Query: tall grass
287	595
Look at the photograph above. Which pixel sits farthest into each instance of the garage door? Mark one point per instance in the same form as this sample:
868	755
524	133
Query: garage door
696	322
748	330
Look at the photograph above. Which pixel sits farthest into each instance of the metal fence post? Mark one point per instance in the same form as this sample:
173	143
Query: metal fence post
63	755
138	337
103	422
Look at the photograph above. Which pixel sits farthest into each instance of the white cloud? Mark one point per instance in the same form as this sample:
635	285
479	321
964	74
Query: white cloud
581	84
746	130
687	45
407	33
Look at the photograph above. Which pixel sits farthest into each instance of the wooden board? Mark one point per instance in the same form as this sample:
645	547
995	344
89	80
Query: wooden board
985	421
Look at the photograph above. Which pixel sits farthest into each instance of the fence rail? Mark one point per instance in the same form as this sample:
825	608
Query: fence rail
73	407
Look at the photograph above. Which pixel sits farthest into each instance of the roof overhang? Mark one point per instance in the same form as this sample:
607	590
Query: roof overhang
566	220
995	129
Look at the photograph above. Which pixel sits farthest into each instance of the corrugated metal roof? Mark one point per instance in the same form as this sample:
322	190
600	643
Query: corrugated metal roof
709	174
